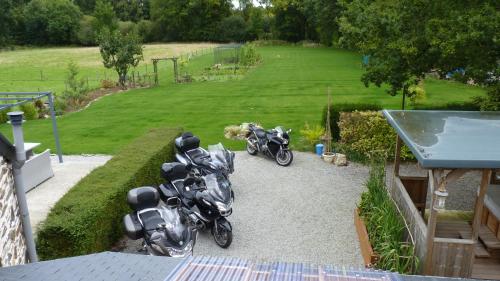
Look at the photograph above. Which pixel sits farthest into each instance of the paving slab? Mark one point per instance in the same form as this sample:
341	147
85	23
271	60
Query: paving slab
43	197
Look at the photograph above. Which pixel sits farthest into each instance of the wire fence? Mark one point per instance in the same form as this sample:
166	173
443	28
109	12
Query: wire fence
142	74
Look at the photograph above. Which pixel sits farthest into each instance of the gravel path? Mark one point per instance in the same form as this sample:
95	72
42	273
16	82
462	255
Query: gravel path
300	213
462	193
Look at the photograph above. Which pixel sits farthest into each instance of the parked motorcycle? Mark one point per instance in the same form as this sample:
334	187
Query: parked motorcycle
273	143
166	230
208	200
216	159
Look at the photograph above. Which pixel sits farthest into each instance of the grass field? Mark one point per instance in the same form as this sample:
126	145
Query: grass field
288	88
45	69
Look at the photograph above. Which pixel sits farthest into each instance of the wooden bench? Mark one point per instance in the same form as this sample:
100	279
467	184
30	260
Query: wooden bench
479	251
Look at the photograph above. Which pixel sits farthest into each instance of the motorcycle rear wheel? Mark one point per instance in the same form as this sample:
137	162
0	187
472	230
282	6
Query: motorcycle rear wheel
284	157
251	149
223	238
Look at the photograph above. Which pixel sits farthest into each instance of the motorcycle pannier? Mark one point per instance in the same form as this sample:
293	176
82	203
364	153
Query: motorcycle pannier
133	227
143	197
174	171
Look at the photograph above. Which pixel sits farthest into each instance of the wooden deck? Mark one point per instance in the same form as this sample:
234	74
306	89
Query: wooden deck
487	255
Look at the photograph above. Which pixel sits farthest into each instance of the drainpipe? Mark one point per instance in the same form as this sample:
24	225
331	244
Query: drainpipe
16	120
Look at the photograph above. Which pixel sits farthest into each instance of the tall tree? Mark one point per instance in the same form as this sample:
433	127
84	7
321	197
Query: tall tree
5	21
51	21
406	39
188	19
105	16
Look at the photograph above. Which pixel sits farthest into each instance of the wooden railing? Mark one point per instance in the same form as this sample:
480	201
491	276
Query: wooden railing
452	257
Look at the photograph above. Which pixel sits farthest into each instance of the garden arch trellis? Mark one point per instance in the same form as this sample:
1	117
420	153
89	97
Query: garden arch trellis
176	69
19	98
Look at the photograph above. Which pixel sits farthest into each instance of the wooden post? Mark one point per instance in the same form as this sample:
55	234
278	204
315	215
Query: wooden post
176	71
155	69
478	210
431	222
397	157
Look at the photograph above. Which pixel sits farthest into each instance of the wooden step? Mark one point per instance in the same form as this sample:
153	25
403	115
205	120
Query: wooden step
479	251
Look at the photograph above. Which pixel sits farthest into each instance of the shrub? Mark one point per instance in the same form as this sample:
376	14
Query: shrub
385	226
312	135
107	84
369	134
249	55
75	89
3	116
88	218
29	109
336	109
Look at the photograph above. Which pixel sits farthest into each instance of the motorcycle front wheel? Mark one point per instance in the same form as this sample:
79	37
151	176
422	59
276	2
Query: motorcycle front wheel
251	149
222	236
284	157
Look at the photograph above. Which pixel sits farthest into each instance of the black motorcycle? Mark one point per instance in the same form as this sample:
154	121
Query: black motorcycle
208	200
273	143
166	230
203	162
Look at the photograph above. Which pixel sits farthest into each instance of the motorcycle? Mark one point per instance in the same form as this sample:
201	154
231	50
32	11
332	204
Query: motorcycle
206	198
203	162
166	230
272	143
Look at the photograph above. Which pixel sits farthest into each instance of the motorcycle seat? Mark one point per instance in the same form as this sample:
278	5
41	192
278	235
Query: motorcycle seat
151	219
199	156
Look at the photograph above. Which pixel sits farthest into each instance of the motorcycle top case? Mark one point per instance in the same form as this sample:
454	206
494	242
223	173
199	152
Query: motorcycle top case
187	142
143	197
174	171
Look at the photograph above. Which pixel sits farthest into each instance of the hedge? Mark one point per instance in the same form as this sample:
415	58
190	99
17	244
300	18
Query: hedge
336	109
459	106
88	218
368	134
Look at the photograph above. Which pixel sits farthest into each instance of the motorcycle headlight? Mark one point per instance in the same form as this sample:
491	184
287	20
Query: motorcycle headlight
180	253
224	207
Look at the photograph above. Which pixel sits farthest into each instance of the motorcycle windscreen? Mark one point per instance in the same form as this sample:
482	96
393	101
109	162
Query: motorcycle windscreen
218	188
221	157
177	233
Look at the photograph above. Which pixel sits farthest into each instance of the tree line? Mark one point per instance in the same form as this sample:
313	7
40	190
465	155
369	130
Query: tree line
63	22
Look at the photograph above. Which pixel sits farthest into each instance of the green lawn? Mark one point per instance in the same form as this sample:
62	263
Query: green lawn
288	88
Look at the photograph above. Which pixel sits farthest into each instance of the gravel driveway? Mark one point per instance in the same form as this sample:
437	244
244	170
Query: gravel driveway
300	213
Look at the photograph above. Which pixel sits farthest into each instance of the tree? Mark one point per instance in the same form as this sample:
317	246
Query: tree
51	21
120	51
232	28
406	39
188	20
5	21
105	16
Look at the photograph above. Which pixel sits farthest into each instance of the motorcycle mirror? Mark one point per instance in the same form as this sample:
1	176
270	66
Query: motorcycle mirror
173	202
288	131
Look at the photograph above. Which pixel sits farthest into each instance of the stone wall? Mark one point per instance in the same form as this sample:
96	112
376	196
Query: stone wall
12	242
